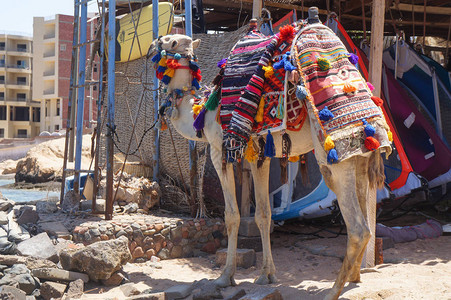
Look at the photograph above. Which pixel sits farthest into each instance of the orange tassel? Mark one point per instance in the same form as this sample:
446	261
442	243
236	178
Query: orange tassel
349	88
378	101
371	143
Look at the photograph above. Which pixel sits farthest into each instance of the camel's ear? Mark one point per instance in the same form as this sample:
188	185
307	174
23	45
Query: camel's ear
152	49
196	43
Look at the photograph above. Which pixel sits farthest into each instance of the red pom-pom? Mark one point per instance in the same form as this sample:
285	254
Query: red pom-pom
378	101
160	75
197	75
371	143
172	64
286	33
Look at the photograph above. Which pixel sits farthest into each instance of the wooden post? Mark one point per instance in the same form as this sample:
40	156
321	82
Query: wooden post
257	6
246	191
375	77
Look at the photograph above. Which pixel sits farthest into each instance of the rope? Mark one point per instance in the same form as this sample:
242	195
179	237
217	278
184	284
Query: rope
113	130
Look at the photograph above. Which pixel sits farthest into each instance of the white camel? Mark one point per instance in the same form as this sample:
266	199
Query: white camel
350	179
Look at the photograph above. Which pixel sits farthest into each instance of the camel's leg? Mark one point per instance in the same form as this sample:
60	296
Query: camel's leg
232	216
343	181
263	219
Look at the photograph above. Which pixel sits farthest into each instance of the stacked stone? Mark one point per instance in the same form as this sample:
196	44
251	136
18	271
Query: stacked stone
172	239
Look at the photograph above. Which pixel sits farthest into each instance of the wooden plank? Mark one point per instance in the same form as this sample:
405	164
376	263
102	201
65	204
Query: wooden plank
397	22
436	10
257	6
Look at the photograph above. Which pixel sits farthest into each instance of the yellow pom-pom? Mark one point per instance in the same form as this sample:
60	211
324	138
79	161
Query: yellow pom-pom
197	108
169	72
162	62
323	63
269	71
390	136
293	159
193	92
329	144
250	154
260	110
349	88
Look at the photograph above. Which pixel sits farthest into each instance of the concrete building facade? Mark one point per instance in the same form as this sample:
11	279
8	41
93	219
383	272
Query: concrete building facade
52	45
19	114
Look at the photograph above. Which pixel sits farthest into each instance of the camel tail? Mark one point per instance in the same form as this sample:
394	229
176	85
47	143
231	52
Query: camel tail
376	173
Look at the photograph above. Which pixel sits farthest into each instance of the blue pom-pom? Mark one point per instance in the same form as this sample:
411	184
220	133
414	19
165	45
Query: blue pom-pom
270	149
163	52
301	92
369	130
161	69
166	79
193	66
353	58
332	156
177	56
325	114
195	84
156	58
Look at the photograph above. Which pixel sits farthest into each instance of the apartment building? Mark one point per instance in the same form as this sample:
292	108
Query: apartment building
19	115
52	52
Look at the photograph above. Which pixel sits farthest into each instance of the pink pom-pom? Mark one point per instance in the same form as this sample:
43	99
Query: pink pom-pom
370	86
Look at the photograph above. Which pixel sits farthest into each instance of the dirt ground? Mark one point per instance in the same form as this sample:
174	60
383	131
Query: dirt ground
307	268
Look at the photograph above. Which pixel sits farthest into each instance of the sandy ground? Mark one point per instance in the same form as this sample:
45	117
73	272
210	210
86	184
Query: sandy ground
414	270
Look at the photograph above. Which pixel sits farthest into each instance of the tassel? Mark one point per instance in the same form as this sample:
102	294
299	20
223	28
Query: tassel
221	64
169	72
293	159
199	123
325	114
269	71
193	66
195	84
369	129
260	111
332	156
286	33
173	64
163	62
349	88
261	152
197	108
329	144
354	59
301	92
390	136
166	79
284	63
161	69
218	79
164	125
286	149
323	63
156	57
199	133
250	154
283	171
213	100
371	143
304	171
270	149
370	86
378	101
197	75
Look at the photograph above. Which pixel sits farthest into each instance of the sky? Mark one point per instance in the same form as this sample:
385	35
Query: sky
17	15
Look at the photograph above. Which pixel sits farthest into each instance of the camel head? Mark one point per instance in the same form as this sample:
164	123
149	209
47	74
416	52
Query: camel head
174	43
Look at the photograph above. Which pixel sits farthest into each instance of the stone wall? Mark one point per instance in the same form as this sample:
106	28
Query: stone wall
171	239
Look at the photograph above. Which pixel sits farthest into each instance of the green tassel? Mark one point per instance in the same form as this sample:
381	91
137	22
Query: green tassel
213	101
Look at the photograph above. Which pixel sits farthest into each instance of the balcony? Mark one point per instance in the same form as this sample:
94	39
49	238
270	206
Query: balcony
49	73
49	91
19	69
19	85
19	52
49	36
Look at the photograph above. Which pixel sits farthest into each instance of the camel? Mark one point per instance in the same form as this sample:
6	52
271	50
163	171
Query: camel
350	179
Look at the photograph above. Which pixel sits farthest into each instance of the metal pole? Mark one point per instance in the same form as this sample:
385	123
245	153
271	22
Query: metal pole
156	102
70	101
99	108
188	18
81	93
111	89
90	117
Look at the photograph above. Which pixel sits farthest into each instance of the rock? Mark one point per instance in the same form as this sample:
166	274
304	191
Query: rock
164	254
250	242
131	289
263	293
75	289
130	208
115	279
6	204
237	295
249	228
59	275
26	283
178	291
245	258
9	292
121	233
206	290
17	269
176	252
19	276
138	252
100	205
3	218
210	247
99	260
39	246
150	253
152	296
8	167
71	201
46	207
30	262
28	216
51	289
56	229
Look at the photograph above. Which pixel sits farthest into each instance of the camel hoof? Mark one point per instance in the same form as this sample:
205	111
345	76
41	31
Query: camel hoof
266	279
225	281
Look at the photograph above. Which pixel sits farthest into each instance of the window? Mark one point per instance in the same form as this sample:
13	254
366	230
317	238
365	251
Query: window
21	97
95	67
2	79
21	80
2	45
94	88
22	133
2	95
22	113
21	64
36	114
58	107
2	63
3	113
63	47
2	132
57	127
22	47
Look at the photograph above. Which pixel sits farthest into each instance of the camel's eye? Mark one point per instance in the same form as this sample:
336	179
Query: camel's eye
174	44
